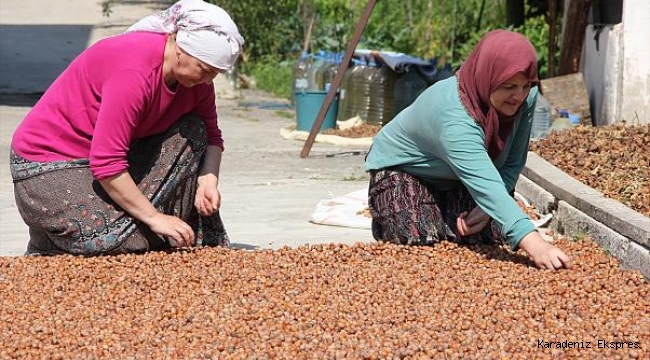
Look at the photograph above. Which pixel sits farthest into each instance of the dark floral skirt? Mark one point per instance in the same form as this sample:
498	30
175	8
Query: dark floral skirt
405	210
68	211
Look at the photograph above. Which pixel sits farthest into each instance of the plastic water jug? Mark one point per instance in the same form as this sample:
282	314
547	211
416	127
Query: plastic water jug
541	118
408	86
299	75
381	99
313	72
343	94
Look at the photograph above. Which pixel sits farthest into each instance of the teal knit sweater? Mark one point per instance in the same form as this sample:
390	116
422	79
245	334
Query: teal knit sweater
435	139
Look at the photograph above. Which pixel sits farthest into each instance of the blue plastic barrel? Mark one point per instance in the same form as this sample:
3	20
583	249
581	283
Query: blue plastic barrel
308	104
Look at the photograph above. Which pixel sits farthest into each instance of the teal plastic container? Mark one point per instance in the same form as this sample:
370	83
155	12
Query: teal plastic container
308	104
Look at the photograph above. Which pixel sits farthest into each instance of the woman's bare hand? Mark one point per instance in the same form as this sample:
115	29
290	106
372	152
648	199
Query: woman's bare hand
543	254
472	222
208	199
172	228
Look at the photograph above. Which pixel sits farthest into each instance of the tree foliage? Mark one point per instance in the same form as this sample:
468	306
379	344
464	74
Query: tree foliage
276	31
423	28
270	27
279	29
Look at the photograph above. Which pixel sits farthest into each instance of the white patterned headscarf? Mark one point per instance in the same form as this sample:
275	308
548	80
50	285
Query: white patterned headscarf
203	30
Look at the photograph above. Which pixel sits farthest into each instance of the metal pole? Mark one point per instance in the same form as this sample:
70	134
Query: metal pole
336	82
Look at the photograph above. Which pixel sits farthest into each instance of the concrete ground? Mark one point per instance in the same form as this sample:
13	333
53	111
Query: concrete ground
269	192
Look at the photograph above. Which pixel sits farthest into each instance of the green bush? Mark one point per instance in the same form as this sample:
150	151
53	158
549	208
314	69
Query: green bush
272	75
269	27
444	29
535	29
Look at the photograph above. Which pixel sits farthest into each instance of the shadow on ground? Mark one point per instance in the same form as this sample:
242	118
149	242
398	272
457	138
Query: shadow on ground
34	55
19	100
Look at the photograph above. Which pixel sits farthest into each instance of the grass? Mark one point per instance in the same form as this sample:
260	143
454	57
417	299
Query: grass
272	76
251	118
580	235
284	114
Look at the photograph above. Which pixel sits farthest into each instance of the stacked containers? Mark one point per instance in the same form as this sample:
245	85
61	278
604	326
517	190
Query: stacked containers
313	70
362	93
415	79
408	86
300	81
328	63
367	92
381	84
541	118
309	93
369	89
345	93
330	71
354	91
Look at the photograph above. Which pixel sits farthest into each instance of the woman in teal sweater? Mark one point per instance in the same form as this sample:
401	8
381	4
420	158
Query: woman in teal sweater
448	164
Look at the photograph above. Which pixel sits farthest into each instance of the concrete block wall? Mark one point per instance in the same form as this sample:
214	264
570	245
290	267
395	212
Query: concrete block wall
580	210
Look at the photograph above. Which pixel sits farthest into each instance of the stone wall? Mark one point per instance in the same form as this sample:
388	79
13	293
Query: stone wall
580	210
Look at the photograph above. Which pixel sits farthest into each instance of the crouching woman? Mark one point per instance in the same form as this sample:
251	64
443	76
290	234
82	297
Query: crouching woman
122	152
446	167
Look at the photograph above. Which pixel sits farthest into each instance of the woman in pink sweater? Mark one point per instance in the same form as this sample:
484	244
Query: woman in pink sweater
122	153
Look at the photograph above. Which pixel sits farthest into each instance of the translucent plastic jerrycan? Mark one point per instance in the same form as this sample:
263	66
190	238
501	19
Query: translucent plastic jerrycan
300	82
541	118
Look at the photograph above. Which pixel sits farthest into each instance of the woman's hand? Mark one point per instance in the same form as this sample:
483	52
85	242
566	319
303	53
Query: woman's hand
545	255
472	222
208	199
123	190
171	227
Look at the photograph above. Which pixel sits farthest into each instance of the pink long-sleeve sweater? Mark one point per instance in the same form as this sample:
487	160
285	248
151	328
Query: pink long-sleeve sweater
110	95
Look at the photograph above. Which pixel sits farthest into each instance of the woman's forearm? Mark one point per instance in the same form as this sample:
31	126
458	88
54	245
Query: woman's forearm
123	190
211	164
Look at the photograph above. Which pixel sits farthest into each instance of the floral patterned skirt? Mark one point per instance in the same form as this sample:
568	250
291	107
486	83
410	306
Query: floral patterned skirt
405	210
69	212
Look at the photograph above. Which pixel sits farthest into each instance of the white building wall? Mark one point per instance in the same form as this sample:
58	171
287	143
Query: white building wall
635	99
616	67
602	70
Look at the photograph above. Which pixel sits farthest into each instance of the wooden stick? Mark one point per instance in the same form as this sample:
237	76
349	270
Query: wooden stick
305	45
337	79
